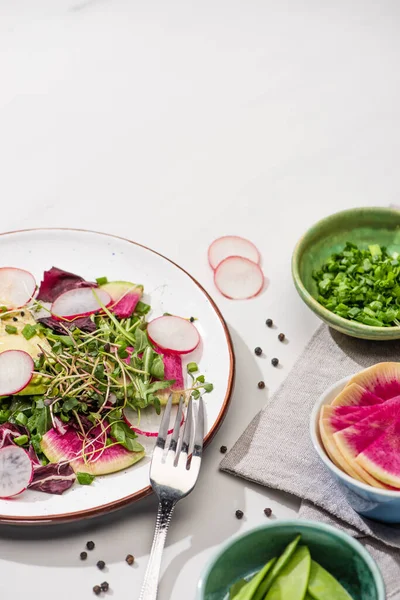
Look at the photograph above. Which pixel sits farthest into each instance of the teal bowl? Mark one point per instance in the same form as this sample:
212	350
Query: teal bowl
336	551
362	226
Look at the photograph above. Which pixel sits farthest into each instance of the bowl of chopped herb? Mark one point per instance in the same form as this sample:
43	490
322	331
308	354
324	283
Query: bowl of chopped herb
346	268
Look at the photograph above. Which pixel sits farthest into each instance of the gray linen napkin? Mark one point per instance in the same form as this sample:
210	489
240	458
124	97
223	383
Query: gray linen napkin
276	451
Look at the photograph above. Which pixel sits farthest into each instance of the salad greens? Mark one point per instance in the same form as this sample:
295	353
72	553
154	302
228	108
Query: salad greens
87	371
362	285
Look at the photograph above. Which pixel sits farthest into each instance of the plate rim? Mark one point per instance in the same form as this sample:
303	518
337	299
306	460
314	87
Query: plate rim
131	498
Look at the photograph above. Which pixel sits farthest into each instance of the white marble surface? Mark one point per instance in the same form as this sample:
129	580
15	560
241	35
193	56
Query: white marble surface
172	123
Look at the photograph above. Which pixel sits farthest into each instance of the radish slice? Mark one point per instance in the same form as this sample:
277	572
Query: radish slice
173	334
16	471
79	302
16	370
149	420
238	278
16	287
231	245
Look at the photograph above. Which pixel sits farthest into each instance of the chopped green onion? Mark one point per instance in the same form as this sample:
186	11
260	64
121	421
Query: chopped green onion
101	280
21	440
11	329
85	478
21	418
29	331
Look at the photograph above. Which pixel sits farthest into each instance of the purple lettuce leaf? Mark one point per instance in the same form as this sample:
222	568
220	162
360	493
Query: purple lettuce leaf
56	282
7	434
82	323
52	478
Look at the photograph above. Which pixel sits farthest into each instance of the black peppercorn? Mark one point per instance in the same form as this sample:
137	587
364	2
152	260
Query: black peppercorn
223	449
267	512
269	322
191	319
281	337
90	545
101	564
22	313
239	514
258	351
104	586
130	559
83	555
261	385
15	319
275	362
97	590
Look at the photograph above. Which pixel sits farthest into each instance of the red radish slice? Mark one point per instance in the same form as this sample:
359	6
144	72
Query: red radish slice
79	302
173	334
231	245
16	370
16	287
149	420
238	278
16	471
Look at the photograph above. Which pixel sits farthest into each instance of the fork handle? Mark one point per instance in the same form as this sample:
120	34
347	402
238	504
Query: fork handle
150	584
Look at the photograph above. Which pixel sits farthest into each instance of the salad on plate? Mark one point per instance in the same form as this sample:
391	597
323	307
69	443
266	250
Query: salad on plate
84	377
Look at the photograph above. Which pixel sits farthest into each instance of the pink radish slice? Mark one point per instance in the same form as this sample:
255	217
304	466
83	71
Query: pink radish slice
16	287
149	420
238	278
16	370
16	471
173	334
231	245
79	302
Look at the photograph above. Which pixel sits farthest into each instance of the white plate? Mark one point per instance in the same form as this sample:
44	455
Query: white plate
169	289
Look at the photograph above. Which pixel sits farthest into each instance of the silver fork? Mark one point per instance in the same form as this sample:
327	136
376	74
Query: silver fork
171	479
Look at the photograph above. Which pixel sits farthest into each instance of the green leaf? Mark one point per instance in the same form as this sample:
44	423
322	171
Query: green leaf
208	387
69	404
40	421
157	367
29	331
11	329
141	340
124	435
195	394
156	386
85	478
142	308
192	367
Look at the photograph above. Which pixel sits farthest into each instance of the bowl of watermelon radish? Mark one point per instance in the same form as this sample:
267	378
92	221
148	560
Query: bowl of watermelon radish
292	560
355	429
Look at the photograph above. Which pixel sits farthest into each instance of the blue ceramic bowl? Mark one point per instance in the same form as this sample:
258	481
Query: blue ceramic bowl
336	551
374	503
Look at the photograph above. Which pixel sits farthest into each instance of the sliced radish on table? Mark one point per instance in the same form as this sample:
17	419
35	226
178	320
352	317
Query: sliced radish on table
149	423
173	334
16	287
16	471
79	302
231	245
16	370
238	278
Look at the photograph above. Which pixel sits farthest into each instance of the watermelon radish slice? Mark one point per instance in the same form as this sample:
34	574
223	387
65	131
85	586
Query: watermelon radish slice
231	245
124	297
79	302
149	420
16	370
353	440
382	379
238	278
173	334
355	395
382	458
16	471
105	459
16	287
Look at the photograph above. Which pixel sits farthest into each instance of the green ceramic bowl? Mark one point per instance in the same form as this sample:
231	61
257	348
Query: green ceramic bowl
340	554
362	226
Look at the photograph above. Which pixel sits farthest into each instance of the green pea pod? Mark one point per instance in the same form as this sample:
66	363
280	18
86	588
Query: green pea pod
247	592
292	581
279	565
323	586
